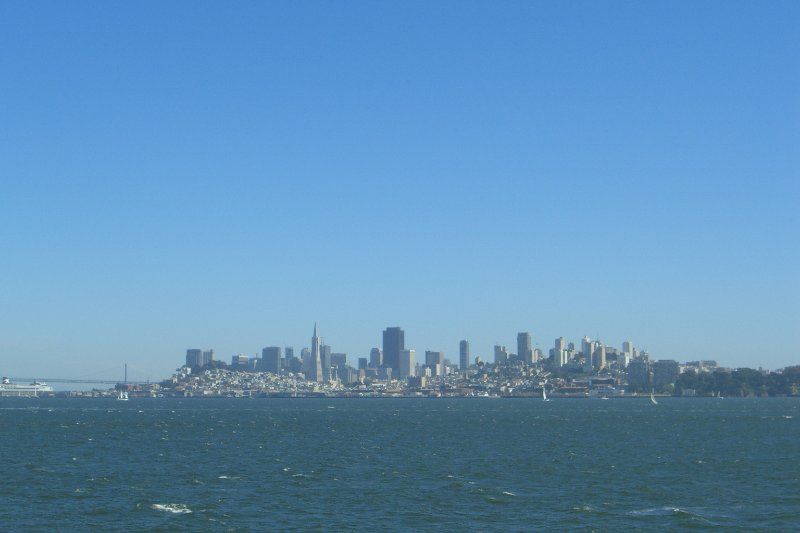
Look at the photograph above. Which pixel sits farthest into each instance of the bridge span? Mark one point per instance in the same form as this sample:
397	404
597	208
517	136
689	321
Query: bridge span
84	381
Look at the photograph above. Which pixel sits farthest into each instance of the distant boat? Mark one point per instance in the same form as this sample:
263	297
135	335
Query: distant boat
544	394
122	396
653	397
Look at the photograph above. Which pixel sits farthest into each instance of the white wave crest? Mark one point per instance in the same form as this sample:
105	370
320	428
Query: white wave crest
175	508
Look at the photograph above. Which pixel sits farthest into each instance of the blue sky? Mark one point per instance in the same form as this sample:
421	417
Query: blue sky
223	175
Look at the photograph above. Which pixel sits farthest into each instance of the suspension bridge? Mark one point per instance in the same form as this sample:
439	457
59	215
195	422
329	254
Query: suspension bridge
85	381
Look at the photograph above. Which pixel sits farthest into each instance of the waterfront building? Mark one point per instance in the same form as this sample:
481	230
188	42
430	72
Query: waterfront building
524	347
500	355
314	371
665	372
638	375
406	363
376	358
271	359
463	355
393	344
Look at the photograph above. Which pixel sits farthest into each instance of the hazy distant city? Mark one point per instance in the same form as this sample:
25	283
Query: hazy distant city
589	369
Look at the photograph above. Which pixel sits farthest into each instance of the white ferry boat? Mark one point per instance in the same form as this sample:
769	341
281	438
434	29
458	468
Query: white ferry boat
36	388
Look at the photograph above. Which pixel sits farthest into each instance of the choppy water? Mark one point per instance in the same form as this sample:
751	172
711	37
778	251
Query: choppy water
399	464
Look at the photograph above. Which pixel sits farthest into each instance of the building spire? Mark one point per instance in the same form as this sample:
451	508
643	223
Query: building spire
315	329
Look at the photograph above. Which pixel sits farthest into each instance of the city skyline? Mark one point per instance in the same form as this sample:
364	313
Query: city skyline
205	175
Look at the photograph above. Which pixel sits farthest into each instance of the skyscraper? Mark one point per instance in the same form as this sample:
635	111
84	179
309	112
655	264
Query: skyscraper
376	358
325	362
500	355
463	355
271	359
524	349
394	342
406	360
194	357
315	371
435	360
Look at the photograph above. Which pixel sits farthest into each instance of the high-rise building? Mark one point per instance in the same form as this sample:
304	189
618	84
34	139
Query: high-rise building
500	355
376	358
339	360
208	357
524	347
599	360
289	352
363	362
560	344
587	349
394	342
271	359
314	373
463	355
325	362
194	357
406	362
435	360
627	347
240	362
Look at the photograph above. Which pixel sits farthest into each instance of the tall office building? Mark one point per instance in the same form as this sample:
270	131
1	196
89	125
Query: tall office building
376	358
463	355
588	347
394	342
194	357
435	360
208	357
599	361
406	362
325	362
314	373
339	360
560	353
524	348
627	346
500	355
271	359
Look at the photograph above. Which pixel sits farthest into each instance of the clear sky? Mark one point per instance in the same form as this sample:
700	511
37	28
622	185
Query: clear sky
223	174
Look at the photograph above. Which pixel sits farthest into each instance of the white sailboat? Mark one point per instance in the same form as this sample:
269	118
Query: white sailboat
122	396
544	393
653	397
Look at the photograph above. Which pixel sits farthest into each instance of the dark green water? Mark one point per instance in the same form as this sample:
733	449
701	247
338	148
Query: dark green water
399	464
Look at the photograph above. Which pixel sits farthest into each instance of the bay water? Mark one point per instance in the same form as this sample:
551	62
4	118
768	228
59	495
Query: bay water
399	464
